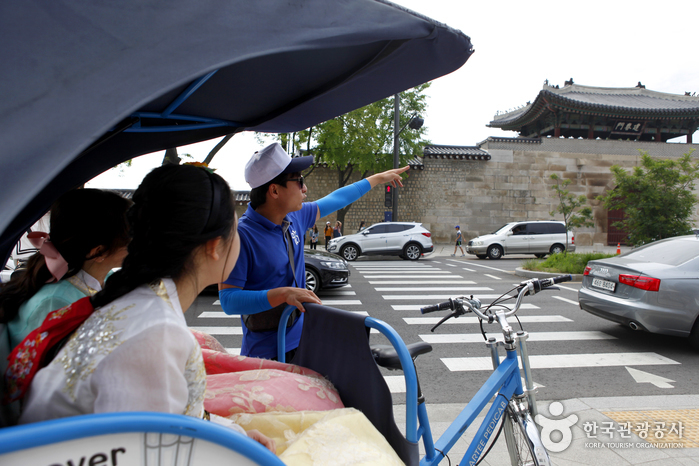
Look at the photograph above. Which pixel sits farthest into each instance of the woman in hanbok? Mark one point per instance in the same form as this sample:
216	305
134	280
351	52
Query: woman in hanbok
135	352
87	238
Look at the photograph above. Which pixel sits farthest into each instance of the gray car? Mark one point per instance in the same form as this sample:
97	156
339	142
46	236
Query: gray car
653	288
405	239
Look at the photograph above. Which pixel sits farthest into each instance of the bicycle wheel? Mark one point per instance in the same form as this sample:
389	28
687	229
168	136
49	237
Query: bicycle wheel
522	437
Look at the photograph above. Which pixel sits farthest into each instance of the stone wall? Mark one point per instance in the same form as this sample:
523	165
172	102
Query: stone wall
481	196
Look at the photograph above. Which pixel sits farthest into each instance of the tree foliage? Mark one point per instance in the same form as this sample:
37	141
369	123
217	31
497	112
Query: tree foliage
575	213
361	141
657	197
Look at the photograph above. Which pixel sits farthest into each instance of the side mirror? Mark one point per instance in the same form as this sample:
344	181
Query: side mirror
365	232
509	233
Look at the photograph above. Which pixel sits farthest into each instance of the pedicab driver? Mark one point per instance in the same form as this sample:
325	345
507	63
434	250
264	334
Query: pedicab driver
270	272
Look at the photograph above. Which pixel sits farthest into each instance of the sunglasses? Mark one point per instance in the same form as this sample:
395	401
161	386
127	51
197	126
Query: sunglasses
299	179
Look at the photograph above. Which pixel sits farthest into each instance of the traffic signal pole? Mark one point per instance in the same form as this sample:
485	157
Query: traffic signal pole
396	161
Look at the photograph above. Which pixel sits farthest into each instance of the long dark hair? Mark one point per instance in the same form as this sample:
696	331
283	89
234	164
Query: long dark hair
81	220
177	208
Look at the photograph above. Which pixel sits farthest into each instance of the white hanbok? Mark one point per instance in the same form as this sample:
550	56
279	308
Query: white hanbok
134	354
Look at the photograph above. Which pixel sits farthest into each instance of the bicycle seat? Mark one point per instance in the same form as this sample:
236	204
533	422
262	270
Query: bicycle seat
386	356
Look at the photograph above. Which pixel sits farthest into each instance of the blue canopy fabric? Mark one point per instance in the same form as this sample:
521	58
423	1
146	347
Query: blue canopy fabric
87	84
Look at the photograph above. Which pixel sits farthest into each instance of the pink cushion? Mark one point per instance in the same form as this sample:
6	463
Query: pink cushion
206	341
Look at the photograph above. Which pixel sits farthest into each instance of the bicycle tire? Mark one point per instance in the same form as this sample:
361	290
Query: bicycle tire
522	437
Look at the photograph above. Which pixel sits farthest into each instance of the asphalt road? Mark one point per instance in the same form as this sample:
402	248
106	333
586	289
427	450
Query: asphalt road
574	354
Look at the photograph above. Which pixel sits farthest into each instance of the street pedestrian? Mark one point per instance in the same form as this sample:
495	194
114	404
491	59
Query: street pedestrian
328	234
337	231
362	226
459	239
314	237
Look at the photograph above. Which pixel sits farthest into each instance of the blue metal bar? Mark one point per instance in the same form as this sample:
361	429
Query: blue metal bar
167	129
17	438
426	432
281	333
487	429
491	386
408	371
178	116
187	92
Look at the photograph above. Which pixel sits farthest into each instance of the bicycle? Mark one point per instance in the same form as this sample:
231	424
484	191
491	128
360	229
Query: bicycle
514	404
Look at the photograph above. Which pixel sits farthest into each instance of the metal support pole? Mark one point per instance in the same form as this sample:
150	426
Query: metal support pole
396	161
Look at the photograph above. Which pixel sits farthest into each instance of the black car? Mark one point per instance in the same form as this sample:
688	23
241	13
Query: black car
325	270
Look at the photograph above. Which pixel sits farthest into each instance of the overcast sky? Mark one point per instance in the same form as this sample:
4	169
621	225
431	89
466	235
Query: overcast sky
517	46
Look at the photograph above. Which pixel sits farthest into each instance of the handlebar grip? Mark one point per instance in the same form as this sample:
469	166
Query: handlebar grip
562	278
436	307
546	282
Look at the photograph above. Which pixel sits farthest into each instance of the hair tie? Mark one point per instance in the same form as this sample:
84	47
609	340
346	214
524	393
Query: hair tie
55	262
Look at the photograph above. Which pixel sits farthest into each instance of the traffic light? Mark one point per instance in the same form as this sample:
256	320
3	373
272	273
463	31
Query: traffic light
388	197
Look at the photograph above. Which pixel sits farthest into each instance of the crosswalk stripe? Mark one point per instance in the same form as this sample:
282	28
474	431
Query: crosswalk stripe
535	336
233	350
492	276
338	293
396	383
430	297
217	315
451	265
422	282
438	288
416	307
566	300
220	330
413	276
559	361
368	273
485	267
475	320
468	270
341	302
217	303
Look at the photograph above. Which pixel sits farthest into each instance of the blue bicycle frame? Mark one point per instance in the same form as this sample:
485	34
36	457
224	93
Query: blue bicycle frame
504	381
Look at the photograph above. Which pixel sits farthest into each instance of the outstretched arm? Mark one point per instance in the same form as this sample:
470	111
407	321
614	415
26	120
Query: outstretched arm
348	194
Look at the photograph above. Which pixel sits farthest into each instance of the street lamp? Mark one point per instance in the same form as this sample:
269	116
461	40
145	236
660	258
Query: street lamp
414	123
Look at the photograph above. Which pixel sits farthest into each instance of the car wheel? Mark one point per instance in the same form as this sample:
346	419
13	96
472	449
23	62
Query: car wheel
494	252
481	256
694	335
557	249
412	251
540	256
349	252
312	281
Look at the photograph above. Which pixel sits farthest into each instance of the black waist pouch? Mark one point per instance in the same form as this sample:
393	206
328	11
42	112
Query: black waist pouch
266	321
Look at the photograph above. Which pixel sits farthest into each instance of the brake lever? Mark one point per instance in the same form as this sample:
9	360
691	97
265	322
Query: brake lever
444	319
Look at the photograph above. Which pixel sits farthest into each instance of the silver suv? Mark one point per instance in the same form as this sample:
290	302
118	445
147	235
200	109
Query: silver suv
408	240
538	238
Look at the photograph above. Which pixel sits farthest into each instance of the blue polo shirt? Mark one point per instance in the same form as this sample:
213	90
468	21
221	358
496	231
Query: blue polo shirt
263	264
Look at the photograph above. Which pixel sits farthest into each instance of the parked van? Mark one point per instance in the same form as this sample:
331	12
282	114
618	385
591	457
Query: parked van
538	238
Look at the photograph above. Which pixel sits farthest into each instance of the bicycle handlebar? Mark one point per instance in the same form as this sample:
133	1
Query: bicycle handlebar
438	307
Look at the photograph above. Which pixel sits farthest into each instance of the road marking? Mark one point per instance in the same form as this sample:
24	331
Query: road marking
396	383
437	288
216	315
338	293
216	303
416	307
566	300
561	361
431	297
646	377
220	330
492	276
450	265
468	270
475	320
414	276
341	302
233	351
422	282
536	336
566	288
485	267
392	266
368	273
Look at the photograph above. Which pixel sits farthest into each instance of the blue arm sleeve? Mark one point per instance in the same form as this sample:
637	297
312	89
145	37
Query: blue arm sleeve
235	301
342	197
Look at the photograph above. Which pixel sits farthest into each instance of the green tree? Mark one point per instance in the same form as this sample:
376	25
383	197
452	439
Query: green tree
657	197
571	207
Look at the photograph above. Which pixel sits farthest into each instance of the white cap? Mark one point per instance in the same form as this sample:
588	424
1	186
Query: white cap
270	162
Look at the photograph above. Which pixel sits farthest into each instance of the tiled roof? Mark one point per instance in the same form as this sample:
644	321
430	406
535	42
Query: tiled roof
242	197
622	102
455	152
416	164
508	140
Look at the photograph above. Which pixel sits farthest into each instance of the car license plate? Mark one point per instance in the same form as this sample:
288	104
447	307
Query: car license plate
604	284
